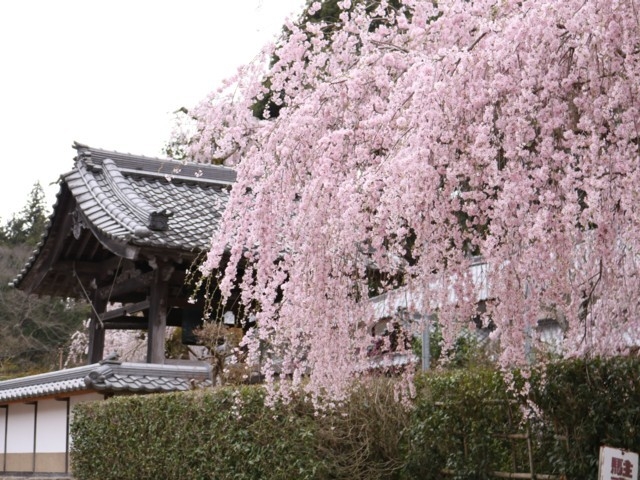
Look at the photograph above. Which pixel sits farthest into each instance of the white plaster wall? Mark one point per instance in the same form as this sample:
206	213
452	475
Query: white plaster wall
20	428
3	424
51	428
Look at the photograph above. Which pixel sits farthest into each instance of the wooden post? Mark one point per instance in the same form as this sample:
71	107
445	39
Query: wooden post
158	314
96	332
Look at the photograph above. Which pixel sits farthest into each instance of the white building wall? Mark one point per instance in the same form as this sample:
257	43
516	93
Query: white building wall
20	437
51	430
43	424
3	426
20	429
3	431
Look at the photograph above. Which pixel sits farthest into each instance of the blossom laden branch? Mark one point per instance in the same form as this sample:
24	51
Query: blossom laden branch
384	173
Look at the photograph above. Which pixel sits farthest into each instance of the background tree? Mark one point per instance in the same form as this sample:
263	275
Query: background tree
34	331
27	227
414	138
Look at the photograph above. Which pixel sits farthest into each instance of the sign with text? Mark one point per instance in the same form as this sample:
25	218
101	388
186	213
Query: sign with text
617	464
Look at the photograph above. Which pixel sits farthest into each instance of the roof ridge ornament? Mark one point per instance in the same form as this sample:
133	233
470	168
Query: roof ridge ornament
113	358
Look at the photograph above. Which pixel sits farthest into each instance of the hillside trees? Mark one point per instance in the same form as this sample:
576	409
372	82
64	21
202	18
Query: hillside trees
32	329
410	145
26	227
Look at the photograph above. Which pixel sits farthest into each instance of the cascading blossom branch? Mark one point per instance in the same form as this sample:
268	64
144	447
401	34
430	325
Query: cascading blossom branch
412	140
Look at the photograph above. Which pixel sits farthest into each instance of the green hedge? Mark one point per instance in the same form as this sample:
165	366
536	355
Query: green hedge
587	404
198	435
462	423
228	433
465	421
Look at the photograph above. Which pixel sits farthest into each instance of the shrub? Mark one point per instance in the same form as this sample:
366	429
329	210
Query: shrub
586	404
463	424
221	434
228	433
460	425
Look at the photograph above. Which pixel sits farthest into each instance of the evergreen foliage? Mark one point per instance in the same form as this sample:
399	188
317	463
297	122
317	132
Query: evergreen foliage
585	404
34	331
229	433
462	424
26	227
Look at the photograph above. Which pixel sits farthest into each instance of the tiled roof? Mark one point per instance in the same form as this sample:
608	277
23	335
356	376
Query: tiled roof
136	202
108	377
120	194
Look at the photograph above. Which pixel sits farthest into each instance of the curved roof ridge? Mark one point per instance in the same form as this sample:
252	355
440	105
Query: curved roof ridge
133	225
140	207
166	168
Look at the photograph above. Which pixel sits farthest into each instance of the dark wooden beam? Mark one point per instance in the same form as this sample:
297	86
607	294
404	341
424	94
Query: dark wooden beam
174	319
117	247
100	269
50	252
158	313
75	249
131	323
183	301
125	311
94	247
96	330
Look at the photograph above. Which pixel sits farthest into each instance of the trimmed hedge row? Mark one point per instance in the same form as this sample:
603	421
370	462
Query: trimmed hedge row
463	423
460	425
201	434
587	404
228	433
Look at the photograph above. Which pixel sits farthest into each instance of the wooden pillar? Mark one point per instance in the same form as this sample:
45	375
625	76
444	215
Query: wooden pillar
158	300
96	332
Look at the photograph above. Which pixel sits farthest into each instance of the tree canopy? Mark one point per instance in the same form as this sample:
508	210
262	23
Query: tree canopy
34	331
27	226
412	140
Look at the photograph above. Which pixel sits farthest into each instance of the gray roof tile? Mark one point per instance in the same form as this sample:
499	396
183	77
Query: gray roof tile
127	189
118	194
108	377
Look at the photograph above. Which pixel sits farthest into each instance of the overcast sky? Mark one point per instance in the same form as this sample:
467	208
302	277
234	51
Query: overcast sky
109	74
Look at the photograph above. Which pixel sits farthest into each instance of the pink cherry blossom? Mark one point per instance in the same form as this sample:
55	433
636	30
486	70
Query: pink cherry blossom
409	142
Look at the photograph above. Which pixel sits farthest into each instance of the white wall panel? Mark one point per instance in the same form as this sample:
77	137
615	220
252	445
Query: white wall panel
3	426
20	428
51	426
